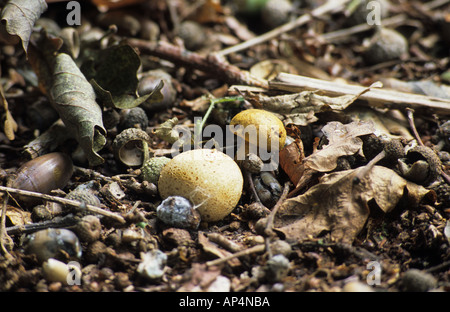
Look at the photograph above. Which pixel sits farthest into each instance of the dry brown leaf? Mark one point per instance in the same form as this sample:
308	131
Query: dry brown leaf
343	140
17	216
300	108
341	207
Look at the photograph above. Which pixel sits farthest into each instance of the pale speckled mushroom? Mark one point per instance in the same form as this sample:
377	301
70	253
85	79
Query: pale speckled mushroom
210	179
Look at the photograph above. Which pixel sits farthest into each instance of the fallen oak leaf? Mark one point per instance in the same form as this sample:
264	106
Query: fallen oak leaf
300	108
74	99
341	207
70	94
17	20
343	140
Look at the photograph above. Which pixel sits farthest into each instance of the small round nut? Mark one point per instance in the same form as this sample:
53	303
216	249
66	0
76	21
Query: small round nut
151	169
178	212
134	117
193	35
276	12
49	243
88	229
385	45
149	82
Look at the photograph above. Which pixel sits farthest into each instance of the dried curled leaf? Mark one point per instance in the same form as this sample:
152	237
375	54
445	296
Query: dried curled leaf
343	140
70	94
299	108
18	18
74	99
340	206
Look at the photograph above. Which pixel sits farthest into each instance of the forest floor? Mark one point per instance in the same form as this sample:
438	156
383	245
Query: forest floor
333	218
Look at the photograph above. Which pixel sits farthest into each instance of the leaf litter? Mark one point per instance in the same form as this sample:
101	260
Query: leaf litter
340	200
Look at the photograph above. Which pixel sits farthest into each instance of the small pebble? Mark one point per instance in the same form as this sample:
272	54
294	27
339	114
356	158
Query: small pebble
415	280
276	268
152	264
177	211
357	286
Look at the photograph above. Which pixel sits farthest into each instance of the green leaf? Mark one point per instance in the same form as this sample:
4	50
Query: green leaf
126	101
113	74
18	18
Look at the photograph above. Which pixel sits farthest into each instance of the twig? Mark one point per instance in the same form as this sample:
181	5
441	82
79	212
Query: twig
64	201
212	64
364	170
341	34
245	252
410	114
58	222
329	6
376	97
3	229
268	231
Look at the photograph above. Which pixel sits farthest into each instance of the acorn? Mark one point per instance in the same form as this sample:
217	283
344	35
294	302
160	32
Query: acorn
147	84
133	118
53	243
276	12
151	169
42	175
385	45
193	35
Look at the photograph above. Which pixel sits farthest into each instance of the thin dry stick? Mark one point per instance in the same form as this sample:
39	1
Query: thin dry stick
383	98
213	64
329	6
412	125
347	33
64	201
268	231
3	228
245	252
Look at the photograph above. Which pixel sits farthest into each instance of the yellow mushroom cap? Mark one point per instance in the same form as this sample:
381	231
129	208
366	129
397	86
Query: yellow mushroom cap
208	178
264	122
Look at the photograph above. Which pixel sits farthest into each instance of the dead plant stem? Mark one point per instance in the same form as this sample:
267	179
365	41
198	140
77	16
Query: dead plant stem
64	201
